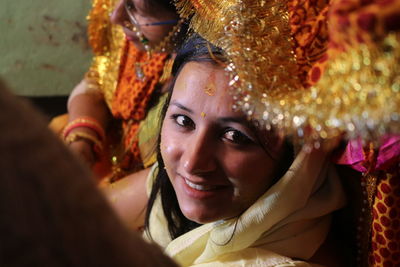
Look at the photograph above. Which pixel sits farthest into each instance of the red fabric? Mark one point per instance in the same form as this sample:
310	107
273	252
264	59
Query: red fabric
385	226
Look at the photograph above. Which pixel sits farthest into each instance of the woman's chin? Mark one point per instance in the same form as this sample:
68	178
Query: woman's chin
135	41
202	216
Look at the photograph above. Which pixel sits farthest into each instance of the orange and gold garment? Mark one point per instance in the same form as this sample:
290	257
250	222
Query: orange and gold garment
337	44
128	97
132	99
353	23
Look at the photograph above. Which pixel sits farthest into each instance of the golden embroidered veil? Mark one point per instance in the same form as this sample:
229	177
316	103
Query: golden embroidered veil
291	71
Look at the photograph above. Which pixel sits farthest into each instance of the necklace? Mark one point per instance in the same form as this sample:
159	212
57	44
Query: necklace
166	44
139	71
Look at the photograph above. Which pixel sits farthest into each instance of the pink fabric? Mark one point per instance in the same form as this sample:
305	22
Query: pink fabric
353	156
387	154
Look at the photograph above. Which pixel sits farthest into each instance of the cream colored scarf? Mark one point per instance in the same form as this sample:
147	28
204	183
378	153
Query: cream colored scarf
291	219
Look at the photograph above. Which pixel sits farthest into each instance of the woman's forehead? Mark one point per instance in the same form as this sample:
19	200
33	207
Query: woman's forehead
203	75
203	86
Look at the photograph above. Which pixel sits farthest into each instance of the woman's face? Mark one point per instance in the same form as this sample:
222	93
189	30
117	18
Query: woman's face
143	14
212	156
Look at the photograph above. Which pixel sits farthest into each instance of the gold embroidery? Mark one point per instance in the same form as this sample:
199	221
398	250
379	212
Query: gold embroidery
107	41
357	94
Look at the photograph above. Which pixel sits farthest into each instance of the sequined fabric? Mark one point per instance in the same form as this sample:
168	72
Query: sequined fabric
113	73
132	96
287	72
378	224
107	42
310	38
318	69
376	24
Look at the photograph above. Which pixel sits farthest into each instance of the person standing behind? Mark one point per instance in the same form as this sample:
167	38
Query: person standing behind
133	43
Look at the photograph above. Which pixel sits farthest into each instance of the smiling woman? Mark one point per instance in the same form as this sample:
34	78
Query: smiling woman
224	189
215	162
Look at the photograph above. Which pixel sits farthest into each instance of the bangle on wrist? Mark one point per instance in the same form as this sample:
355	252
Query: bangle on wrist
87	122
76	136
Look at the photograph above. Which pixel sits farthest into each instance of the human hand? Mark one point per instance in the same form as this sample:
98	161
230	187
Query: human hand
83	149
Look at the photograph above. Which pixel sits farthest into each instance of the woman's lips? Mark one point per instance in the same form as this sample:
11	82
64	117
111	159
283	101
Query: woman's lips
130	36
201	190
199	186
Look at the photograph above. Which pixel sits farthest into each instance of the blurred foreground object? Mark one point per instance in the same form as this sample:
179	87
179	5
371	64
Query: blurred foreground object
51	213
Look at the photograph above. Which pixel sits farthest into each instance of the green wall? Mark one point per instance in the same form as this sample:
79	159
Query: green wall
43	45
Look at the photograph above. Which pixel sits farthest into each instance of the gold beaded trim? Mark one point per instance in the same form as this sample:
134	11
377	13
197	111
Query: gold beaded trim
76	136
358	94
368	184
207	17
107	41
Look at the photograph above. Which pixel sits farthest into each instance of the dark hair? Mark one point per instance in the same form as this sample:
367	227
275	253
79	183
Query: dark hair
195	49
166	4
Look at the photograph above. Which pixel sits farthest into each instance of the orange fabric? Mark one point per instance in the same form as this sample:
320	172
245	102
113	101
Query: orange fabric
130	105
384	244
352	22
309	29
385	241
132	96
362	21
384	228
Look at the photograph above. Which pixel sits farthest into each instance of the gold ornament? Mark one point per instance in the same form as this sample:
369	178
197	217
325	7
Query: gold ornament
358	94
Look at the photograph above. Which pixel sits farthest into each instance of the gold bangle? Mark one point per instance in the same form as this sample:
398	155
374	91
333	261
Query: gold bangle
76	136
86	122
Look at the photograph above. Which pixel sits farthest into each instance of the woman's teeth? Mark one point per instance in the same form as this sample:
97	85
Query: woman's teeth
200	187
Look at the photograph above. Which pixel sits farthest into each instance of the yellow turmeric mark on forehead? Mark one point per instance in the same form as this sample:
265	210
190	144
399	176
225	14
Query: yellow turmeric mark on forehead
210	89
203	114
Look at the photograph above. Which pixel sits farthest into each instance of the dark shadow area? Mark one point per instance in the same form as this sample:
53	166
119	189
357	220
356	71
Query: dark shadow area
50	106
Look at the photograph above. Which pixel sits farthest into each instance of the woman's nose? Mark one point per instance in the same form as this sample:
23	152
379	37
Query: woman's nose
119	16
199	156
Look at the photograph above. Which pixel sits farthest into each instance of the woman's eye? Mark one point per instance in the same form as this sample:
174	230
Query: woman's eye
237	137
184	121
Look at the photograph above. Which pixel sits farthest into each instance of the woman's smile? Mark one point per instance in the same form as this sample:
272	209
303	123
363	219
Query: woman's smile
212	156
201	187
200	191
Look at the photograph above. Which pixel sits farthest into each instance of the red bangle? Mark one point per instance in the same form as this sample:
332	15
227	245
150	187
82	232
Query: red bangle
85	122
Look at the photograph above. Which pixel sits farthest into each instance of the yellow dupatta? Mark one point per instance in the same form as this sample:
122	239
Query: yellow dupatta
291	220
